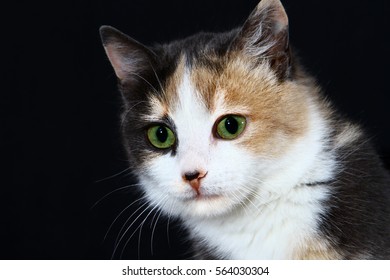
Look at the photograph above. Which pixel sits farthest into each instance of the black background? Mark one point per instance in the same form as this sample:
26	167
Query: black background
59	110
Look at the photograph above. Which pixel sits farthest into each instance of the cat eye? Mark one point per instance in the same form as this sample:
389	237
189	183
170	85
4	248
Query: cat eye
230	127
161	136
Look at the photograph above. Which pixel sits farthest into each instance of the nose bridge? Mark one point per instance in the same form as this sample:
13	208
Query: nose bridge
193	157
193	128
194	145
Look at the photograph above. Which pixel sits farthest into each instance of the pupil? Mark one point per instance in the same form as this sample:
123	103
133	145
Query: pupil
162	134
231	125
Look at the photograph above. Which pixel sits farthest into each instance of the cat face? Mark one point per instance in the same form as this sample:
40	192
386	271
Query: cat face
227	136
210	119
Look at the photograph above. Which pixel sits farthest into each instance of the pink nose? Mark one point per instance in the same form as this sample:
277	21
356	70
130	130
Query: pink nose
194	178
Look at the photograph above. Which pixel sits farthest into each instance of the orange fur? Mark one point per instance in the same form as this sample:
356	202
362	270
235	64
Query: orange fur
316	249
276	113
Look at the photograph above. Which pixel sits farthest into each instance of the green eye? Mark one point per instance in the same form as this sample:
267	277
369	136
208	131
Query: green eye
231	126
161	137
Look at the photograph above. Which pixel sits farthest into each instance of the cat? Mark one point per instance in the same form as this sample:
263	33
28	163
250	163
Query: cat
227	132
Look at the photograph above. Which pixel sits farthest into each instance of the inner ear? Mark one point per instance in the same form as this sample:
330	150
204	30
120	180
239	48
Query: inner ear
128	57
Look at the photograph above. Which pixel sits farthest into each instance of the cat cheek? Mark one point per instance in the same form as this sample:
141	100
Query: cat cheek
163	175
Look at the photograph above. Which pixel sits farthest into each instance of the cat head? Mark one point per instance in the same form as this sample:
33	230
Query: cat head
208	120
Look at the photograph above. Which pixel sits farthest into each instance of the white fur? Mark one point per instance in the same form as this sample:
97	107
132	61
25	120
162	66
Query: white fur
252	208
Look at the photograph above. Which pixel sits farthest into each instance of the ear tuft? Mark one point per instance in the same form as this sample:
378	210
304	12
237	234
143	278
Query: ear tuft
127	56
265	36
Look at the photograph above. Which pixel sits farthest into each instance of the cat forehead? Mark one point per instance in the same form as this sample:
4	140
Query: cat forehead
233	86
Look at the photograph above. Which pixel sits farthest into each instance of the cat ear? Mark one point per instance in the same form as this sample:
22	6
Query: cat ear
128	57
265	35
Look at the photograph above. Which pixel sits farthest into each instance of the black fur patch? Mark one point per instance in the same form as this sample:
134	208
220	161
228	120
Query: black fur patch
358	220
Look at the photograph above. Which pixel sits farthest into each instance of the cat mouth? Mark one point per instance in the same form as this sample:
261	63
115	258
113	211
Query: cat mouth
203	197
199	197
207	196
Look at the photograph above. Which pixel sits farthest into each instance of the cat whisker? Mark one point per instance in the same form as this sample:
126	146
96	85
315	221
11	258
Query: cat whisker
113	176
153	223
251	191
111	192
140	231
154	229
253	194
121	235
247	198
146	81
117	240
139	241
141	224
168	221
119	215
240	201
158	80
124	116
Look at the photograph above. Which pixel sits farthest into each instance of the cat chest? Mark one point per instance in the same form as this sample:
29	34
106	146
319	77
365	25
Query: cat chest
280	232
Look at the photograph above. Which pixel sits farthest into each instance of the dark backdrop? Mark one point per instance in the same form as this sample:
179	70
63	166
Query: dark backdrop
59	111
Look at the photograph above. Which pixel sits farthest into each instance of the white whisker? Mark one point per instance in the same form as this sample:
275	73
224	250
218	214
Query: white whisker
117	240
153	230
111	192
120	214
113	176
141	224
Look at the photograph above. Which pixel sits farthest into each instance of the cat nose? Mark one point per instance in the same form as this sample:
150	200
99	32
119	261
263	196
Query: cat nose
189	176
194	178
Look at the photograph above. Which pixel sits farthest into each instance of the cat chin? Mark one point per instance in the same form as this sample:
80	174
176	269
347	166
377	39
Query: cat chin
205	206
